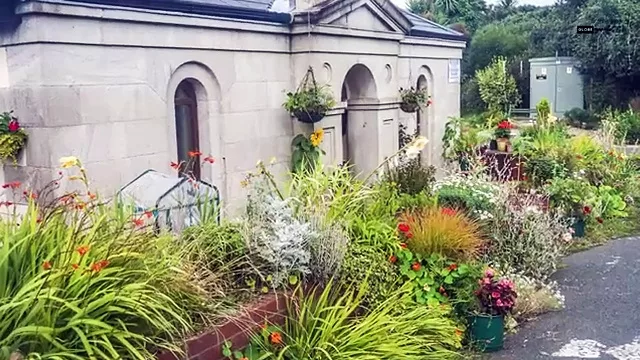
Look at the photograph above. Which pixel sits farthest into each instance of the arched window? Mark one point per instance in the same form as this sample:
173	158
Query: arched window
186	107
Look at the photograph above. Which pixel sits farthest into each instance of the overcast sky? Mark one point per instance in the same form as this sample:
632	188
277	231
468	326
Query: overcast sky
520	2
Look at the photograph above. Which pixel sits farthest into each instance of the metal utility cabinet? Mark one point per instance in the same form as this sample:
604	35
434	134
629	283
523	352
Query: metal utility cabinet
557	80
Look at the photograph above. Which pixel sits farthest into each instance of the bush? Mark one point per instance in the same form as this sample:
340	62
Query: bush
365	263
535	297
440	231
474	195
412	177
628	126
326	325
581	118
525	239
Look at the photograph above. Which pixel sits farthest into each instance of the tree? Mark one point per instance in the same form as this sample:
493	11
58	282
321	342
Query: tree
497	87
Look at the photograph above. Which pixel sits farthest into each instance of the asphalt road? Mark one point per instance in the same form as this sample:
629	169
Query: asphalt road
602	315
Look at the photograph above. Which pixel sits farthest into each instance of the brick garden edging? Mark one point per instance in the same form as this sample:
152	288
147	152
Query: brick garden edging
271	308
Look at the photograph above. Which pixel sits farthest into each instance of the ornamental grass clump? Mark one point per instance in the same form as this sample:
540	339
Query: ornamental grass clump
327	324
81	279
443	231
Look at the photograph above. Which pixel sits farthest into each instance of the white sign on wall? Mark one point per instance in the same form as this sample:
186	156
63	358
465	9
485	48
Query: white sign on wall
569	69
454	70
543	71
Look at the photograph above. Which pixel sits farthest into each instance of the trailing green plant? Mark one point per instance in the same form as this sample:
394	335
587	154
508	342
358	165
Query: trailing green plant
412	99
329	324
437	280
12	136
306	152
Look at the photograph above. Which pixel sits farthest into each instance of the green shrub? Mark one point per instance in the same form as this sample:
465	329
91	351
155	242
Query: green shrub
474	195
363	262
581	118
628	126
540	168
326	325
412	177
524	239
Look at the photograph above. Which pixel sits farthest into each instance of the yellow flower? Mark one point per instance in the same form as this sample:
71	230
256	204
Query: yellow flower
316	137
69	161
244	183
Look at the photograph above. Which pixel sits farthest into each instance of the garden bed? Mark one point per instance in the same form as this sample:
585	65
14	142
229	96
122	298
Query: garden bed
270	309
504	166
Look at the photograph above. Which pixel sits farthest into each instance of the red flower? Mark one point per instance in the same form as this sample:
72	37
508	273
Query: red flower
453	267
91	195
448	212
409	235
442	290
138	222
148	214
600	220
505	124
14	125
7	203
175	165
46	265
275	338
194	153
209	159
75	266
393	259
403	228
30	195
416	266
403	245
12	185
82	250
586	210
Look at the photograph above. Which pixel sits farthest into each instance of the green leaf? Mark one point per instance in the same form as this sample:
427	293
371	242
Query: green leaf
448	280
411	275
445	272
433	302
226	351
293	279
238	355
264	290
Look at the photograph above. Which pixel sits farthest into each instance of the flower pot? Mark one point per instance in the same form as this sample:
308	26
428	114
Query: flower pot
409	107
502	144
578	226
308	117
493	145
464	163
486	332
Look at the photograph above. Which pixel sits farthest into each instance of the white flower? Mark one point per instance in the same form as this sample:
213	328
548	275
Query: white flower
567	237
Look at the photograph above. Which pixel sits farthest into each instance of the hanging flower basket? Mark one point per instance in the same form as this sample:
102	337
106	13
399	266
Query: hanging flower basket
310	102
411	99
12	137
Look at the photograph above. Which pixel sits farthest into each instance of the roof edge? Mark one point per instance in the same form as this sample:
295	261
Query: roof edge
198	9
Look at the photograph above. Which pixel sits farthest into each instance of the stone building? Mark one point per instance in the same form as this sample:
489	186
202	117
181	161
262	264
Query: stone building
110	80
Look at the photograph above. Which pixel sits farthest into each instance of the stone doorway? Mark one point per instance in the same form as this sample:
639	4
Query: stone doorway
360	119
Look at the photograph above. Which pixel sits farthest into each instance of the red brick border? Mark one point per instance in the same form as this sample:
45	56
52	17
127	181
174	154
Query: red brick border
208	346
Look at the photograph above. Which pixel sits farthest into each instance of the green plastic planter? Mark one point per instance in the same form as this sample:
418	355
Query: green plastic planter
578	226
486	332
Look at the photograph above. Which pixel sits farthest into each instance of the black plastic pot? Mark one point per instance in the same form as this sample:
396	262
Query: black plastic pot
309	117
409	107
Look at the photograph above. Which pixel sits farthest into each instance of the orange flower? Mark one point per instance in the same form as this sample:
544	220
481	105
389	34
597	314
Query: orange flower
75	266
210	159
46	265
448	212
453	267
98	266
403	245
82	250
30	195
12	185
416	266
91	195
79	206
459	332
148	214
275	338
175	165
393	259
194	153
137	222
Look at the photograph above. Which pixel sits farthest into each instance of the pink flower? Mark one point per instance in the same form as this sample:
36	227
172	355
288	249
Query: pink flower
495	295
499	303
489	273
486	281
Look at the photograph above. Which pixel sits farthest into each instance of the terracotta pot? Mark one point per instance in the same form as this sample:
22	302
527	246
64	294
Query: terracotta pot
502	144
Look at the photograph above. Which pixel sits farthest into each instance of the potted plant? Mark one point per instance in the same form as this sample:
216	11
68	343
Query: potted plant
496	299
310	102
503	133
12	137
412	99
573	196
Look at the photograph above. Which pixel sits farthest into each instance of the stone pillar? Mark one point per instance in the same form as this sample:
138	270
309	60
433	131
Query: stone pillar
331	124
